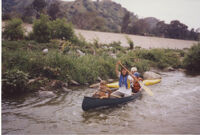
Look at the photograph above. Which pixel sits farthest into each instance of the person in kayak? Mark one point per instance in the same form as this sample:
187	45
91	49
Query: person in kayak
103	92
124	82
135	86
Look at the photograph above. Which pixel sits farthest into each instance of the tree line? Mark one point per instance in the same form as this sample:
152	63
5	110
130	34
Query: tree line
93	21
175	29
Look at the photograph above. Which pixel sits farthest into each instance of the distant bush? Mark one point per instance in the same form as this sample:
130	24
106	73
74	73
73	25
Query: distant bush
14	82
130	42
62	30
192	59
14	30
42	29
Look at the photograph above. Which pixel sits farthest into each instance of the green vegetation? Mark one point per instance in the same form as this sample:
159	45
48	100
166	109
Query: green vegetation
62	30
130	42
192	59
14	82
56	64
97	15
14	30
27	57
144	59
42	29
72	58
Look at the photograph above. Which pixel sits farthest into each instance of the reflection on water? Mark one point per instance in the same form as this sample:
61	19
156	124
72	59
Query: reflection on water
175	108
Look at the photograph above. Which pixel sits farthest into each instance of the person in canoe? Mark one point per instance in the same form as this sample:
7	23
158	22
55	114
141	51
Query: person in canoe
124	83
135	86
103	92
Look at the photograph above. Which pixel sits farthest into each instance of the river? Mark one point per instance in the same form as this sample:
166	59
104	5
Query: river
174	108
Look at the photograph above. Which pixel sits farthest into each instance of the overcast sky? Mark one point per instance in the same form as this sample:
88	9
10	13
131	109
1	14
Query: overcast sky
186	11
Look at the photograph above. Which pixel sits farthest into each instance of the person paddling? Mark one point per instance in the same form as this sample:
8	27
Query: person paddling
124	82
135	86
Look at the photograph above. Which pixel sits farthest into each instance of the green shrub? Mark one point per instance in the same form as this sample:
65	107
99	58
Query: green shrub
14	82
130	42
192	59
42	29
142	65
62	30
144	59
161	57
131	59
88	68
14	30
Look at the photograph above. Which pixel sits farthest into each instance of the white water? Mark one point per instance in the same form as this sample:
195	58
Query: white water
175	108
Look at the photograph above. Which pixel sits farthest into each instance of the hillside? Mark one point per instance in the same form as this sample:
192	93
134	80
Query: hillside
104	15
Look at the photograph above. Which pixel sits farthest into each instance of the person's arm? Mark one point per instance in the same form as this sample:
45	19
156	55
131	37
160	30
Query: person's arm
116	68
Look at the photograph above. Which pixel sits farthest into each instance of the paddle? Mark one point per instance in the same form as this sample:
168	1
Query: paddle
141	84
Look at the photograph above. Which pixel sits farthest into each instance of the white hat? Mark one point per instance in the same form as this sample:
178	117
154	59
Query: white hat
133	69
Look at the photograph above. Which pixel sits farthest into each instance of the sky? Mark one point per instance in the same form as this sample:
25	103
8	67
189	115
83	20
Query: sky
186	11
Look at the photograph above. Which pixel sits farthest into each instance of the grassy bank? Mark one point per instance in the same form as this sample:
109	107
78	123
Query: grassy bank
63	61
25	67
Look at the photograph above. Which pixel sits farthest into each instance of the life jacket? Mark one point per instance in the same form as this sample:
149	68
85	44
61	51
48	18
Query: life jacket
124	81
136	86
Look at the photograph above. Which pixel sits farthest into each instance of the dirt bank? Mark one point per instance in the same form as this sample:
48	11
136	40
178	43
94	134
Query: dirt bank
142	41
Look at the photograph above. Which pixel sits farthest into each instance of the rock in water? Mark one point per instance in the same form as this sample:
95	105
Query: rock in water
151	75
46	94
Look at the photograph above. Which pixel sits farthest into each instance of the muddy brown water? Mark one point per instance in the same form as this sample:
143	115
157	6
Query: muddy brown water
175	108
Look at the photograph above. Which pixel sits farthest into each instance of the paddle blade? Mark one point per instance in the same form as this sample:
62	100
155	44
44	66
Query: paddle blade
146	89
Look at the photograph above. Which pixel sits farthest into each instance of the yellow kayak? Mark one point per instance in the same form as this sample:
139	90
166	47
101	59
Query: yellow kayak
146	82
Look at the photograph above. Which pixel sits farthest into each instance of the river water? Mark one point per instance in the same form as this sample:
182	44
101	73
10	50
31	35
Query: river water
174	108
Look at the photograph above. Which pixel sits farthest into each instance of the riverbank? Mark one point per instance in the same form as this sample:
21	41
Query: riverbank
53	57
27	67
140	41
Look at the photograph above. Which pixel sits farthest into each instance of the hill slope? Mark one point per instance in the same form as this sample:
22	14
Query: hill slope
105	13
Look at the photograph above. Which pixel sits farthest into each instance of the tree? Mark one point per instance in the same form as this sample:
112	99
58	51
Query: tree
193	35
53	10
42	29
39	5
177	30
140	27
125	23
161	29
14	30
88	20
62	30
28	14
192	59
